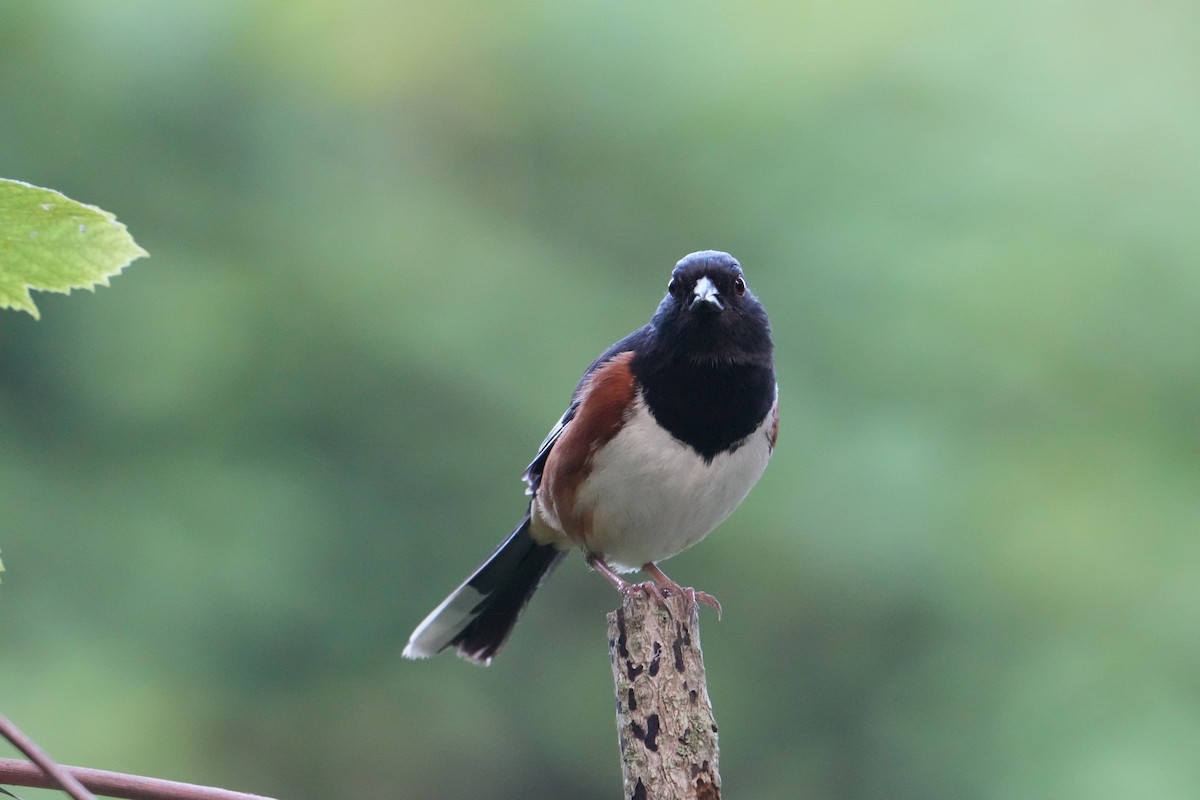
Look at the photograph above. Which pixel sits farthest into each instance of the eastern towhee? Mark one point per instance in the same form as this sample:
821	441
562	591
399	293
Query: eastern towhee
666	433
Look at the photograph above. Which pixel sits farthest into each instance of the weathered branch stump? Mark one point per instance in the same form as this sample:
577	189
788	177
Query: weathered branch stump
665	724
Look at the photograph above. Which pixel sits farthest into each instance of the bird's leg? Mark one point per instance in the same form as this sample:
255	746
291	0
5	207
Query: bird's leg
658	588
609	574
668	585
652	588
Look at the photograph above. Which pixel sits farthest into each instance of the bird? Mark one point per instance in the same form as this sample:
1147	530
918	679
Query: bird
666	433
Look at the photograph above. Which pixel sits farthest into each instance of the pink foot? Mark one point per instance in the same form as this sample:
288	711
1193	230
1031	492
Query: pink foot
609	574
667	586
660	588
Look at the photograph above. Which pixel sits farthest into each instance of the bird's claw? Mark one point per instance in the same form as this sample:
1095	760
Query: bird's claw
663	587
660	587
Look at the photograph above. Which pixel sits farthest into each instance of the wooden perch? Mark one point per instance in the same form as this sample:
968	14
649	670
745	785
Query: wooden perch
665	724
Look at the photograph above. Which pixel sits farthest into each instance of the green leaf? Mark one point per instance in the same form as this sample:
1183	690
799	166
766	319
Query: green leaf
52	243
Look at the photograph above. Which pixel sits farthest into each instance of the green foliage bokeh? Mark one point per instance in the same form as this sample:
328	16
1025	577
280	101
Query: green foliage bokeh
388	237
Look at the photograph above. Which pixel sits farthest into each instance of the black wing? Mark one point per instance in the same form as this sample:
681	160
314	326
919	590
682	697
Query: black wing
533	473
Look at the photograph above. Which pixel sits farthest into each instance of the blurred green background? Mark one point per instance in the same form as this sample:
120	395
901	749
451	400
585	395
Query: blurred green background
386	239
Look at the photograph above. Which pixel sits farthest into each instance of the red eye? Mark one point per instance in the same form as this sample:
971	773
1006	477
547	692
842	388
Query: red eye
739	286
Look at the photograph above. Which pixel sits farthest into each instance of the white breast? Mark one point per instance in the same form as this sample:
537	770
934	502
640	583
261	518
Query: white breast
651	496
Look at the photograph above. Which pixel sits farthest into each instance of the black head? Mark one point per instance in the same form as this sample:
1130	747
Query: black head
709	314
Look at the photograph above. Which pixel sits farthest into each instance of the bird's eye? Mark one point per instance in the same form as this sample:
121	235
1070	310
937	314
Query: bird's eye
739	286
673	288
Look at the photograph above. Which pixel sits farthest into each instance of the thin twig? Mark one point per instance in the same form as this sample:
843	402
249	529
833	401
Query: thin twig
117	784
59	777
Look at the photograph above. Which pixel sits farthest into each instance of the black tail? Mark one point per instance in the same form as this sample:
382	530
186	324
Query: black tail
479	615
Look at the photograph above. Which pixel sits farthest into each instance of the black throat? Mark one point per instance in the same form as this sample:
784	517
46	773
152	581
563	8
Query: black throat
709	407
